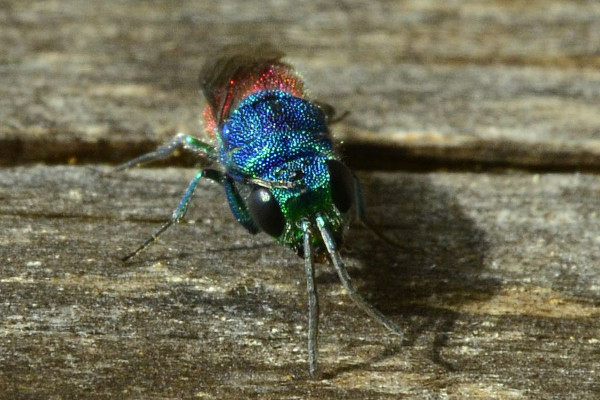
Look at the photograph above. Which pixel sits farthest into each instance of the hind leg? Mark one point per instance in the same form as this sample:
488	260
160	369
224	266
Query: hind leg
180	141
361	214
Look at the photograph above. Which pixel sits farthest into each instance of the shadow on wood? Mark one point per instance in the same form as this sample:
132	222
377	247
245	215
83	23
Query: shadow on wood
401	282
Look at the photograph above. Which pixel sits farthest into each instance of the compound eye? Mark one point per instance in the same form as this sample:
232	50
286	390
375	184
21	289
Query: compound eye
265	211
341	182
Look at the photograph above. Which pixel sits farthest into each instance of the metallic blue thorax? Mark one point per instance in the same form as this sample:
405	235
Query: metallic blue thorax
275	136
270	128
272	135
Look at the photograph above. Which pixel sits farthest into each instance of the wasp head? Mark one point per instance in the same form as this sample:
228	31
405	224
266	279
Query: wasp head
323	189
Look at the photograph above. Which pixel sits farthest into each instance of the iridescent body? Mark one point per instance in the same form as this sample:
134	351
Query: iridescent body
275	136
277	163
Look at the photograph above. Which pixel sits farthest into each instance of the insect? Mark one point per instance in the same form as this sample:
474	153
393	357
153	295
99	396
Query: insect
275	158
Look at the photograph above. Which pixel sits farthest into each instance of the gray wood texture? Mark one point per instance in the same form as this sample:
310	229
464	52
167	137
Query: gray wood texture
496	283
489	83
484	111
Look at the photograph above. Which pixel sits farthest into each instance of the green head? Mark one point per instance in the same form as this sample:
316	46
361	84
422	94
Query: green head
323	190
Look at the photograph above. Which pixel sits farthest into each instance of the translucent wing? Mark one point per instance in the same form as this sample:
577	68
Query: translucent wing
237	71
216	74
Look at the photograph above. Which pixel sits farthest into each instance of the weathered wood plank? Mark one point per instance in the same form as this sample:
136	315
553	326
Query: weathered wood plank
496	283
450	83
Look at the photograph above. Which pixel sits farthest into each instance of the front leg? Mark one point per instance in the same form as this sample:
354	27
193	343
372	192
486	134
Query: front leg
313	301
238	206
181	209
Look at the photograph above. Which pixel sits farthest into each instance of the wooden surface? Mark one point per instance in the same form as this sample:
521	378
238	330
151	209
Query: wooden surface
483	111
492	83
496	284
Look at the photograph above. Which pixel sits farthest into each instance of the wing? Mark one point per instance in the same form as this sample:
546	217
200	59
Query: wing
216	74
237	71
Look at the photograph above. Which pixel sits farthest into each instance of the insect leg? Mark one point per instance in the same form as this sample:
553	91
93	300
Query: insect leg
269	184
331	115
313	300
346	281
238	206
361	214
181	209
247	180
180	140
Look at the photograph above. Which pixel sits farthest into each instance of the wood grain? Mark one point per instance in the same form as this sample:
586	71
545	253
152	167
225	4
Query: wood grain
496	284
495	281
437	84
